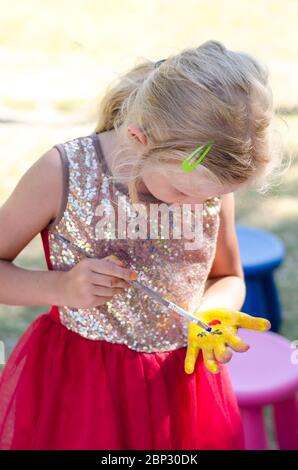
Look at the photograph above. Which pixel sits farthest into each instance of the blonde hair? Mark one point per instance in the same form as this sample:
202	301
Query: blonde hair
202	94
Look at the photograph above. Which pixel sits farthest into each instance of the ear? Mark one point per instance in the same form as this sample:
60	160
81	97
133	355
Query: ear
136	133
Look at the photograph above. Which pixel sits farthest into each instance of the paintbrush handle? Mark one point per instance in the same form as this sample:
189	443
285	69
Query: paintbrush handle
156	296
189	316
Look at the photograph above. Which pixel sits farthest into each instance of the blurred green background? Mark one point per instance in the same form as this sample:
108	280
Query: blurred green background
58	56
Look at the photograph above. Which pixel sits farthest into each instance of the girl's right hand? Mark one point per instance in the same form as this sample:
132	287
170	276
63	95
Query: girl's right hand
92	282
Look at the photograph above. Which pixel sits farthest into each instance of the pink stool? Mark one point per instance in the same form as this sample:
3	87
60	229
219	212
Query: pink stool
267	374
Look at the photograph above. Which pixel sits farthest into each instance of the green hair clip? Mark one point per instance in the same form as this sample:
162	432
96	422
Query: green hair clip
191	161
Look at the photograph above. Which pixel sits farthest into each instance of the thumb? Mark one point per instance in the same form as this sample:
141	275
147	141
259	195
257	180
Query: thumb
253	323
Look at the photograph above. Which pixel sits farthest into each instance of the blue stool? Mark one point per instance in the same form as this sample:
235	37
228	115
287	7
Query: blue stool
261	253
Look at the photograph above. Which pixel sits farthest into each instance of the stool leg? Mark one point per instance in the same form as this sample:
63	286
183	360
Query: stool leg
286	423
254	429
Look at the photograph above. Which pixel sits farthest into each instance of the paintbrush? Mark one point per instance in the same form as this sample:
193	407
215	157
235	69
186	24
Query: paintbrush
154	295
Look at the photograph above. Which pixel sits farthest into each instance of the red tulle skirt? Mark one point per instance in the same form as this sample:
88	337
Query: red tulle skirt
59	390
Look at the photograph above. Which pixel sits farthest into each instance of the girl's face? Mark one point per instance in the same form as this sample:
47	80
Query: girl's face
184	188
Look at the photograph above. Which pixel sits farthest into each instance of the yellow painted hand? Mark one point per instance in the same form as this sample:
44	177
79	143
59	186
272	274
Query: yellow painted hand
214	345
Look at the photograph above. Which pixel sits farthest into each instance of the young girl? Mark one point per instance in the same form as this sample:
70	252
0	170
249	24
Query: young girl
107	367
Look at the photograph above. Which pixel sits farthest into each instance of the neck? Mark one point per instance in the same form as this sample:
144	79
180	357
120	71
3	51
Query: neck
110	144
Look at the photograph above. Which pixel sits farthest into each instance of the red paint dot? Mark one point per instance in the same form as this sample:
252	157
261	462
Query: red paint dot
214	322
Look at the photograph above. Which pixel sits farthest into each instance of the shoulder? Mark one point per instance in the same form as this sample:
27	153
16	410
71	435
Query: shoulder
46	179
45	171
79	151
50	161
32	203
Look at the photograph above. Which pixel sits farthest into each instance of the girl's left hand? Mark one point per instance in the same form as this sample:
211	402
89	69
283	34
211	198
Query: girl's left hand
224	323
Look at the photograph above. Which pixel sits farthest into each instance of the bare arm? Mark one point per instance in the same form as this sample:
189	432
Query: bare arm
34	202
225	286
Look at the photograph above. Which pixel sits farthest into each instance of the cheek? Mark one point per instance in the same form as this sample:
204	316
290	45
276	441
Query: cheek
156	185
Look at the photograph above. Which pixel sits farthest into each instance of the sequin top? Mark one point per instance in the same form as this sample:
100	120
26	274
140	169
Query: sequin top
164	264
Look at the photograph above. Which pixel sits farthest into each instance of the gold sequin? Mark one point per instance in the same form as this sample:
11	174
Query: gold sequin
130	317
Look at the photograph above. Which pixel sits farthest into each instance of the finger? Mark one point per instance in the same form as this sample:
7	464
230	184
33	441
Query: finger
184	305
111	268
192	353
106	291
222	353
236	343
209	360
119	262
253	323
